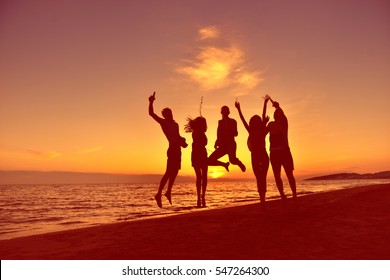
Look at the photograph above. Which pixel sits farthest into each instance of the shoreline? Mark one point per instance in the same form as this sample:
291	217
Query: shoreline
343	224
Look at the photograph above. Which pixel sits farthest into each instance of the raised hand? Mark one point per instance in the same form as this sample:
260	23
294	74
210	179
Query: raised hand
152	97
267	98
237	104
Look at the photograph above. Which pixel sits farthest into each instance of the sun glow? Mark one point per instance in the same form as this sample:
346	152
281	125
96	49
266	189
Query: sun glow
216	172
84	106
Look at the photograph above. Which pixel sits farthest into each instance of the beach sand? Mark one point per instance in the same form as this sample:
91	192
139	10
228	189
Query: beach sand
344	224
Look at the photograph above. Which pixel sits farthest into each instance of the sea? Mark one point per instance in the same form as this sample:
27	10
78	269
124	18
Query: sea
35	209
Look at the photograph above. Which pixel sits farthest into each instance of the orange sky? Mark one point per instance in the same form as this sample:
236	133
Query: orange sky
75	77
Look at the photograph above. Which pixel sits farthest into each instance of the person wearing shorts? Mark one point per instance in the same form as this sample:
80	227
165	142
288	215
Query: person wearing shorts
198	128
256	144
280	154
176	142
225	143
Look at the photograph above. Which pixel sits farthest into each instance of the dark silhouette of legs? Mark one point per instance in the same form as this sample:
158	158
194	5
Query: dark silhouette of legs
213	159
257	171
198	173
277	167
169	176
264	165
260	164
231	152
204	184
284	159
291	181
172	177
233	158
201	185
163	181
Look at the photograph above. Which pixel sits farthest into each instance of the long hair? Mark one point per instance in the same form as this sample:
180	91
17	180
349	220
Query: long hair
255	123
199	123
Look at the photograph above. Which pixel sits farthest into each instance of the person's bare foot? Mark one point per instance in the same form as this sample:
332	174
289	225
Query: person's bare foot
242	166
169	197
157	197
203	202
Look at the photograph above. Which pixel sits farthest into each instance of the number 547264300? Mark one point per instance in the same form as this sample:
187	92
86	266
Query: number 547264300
234	270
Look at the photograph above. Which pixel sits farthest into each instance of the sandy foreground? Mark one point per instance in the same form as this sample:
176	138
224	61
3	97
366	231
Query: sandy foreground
345	224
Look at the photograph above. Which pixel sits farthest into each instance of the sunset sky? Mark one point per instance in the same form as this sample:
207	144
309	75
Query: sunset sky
75	77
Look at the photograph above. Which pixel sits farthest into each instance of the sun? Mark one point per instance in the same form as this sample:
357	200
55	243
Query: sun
216	172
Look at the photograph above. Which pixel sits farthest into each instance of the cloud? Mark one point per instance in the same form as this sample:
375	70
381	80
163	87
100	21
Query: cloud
247	79
209	32
215	67
91	150
212	67
44	154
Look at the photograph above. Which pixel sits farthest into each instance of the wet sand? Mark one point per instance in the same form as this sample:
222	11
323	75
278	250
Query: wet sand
346	224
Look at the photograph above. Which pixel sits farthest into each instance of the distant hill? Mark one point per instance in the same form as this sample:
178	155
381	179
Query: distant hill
353	176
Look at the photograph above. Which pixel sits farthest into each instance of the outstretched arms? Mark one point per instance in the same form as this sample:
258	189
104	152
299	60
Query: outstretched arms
238	106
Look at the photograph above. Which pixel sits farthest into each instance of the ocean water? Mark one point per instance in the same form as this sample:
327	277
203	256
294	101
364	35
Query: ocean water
33	209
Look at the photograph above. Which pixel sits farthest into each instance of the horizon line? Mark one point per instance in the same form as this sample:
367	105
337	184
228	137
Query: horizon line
19	177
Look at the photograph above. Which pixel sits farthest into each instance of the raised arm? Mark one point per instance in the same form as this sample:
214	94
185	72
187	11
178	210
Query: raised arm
282	116
265	107
238	106
151	110
264	116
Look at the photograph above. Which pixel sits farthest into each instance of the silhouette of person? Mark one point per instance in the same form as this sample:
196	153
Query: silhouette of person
198	127
256	144
280	153
171	131
225	143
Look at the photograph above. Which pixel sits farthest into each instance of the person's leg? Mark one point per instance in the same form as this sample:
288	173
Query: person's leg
288	165
276	167
172	177
213	159
198	184
163	181
173	167
204	171
257	172
264	165
233	158
264	169
291	181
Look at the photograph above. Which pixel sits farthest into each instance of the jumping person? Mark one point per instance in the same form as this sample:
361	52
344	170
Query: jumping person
225	143
198	127
171	131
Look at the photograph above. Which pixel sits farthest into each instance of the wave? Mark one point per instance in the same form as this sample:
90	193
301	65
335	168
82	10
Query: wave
38	220
71	223
2	232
